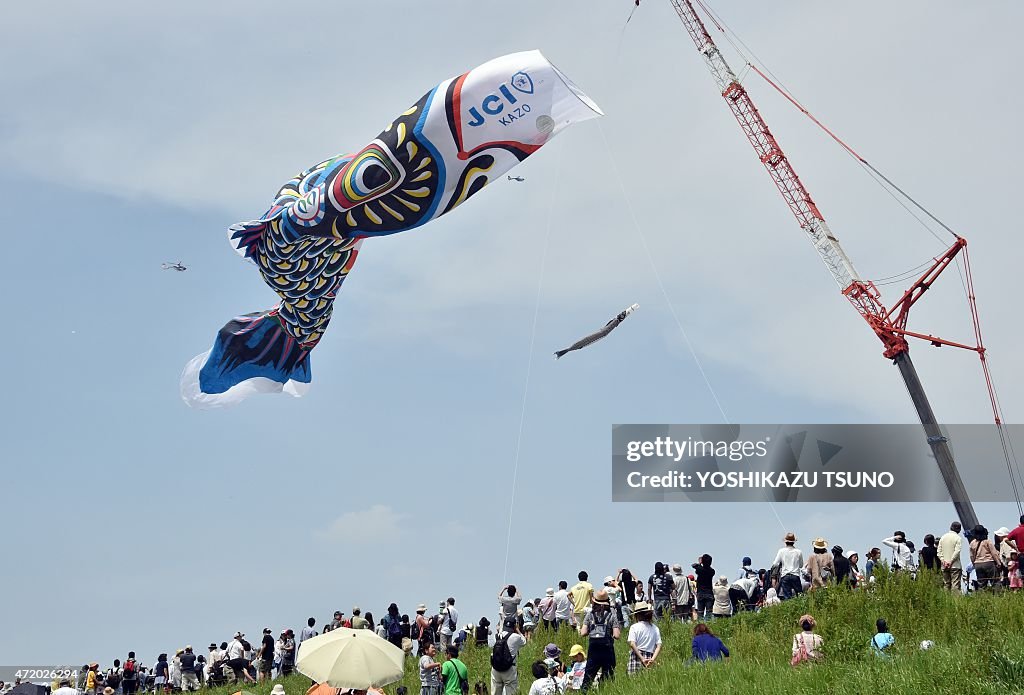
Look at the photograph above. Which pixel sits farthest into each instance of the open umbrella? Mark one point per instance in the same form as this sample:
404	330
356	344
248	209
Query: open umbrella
346	658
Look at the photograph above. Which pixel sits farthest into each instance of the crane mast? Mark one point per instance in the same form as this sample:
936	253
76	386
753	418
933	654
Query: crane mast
888	324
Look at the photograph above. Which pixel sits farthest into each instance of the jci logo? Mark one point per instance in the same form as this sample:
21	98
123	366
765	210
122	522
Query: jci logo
494	104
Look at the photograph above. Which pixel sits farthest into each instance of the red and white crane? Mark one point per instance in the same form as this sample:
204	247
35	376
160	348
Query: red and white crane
890	325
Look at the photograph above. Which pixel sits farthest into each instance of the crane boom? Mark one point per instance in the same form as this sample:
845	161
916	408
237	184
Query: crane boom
888	325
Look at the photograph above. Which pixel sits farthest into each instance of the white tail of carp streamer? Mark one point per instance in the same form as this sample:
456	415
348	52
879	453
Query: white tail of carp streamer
194	397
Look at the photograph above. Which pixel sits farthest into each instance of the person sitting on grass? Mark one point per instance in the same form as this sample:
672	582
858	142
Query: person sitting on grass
882	640
577	667
706	646
806	644
549	678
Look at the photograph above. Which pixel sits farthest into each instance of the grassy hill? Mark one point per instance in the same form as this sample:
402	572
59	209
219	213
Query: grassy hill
979	648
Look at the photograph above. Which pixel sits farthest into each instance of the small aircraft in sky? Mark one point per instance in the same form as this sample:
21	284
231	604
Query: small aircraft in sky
516	178
174	266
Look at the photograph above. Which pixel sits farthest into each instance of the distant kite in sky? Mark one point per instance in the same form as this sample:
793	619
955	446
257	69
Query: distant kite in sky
594	337
174	266
462	134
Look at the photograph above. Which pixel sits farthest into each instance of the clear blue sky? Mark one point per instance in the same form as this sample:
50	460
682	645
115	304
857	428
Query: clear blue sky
132	135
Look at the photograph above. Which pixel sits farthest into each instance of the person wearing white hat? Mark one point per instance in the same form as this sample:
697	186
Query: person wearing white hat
546	608
278	689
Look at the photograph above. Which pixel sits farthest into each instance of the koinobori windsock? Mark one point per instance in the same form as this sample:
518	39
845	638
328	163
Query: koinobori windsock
461	135
597	335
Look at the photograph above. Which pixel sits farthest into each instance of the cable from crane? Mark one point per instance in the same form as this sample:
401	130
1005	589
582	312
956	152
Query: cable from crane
668	300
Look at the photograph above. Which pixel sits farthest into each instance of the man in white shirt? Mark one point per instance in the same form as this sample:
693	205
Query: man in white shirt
507	682
949	557
563	606
449	623
789	560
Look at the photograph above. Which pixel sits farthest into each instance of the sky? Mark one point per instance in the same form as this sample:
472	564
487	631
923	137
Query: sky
133	134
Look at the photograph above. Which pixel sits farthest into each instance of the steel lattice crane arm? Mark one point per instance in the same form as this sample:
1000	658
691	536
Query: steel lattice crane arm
888	325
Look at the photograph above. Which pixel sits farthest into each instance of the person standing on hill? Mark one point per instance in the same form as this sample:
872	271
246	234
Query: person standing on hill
454	673
746	570
928	555
430	672
659	587
189	679
508	601
902	555
682	595
627	580
581	593
130	675
602	628
563	605
705	591
841	566
819	564
504	656
358	621
288	653
547	609
984	556
789	560
449	623
644	640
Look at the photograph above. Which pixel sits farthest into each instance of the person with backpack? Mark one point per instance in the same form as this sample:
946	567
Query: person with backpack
454	674
507	643
113	677
393	626
602	628
130	675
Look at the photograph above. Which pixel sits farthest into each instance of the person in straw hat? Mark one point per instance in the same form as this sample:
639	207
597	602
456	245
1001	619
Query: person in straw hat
788	562
806	644
644	639
602	628
820	564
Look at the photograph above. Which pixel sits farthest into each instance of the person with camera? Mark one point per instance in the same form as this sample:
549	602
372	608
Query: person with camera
902	555
602	628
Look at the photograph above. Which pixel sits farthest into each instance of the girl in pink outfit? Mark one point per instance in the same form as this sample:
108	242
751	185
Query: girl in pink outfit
1014	569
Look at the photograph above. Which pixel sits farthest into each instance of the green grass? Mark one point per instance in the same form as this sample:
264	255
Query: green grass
979	648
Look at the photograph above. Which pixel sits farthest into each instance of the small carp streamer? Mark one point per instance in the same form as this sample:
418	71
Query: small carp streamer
596	336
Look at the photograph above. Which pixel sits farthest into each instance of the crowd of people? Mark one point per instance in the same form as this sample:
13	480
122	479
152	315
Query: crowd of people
623	602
